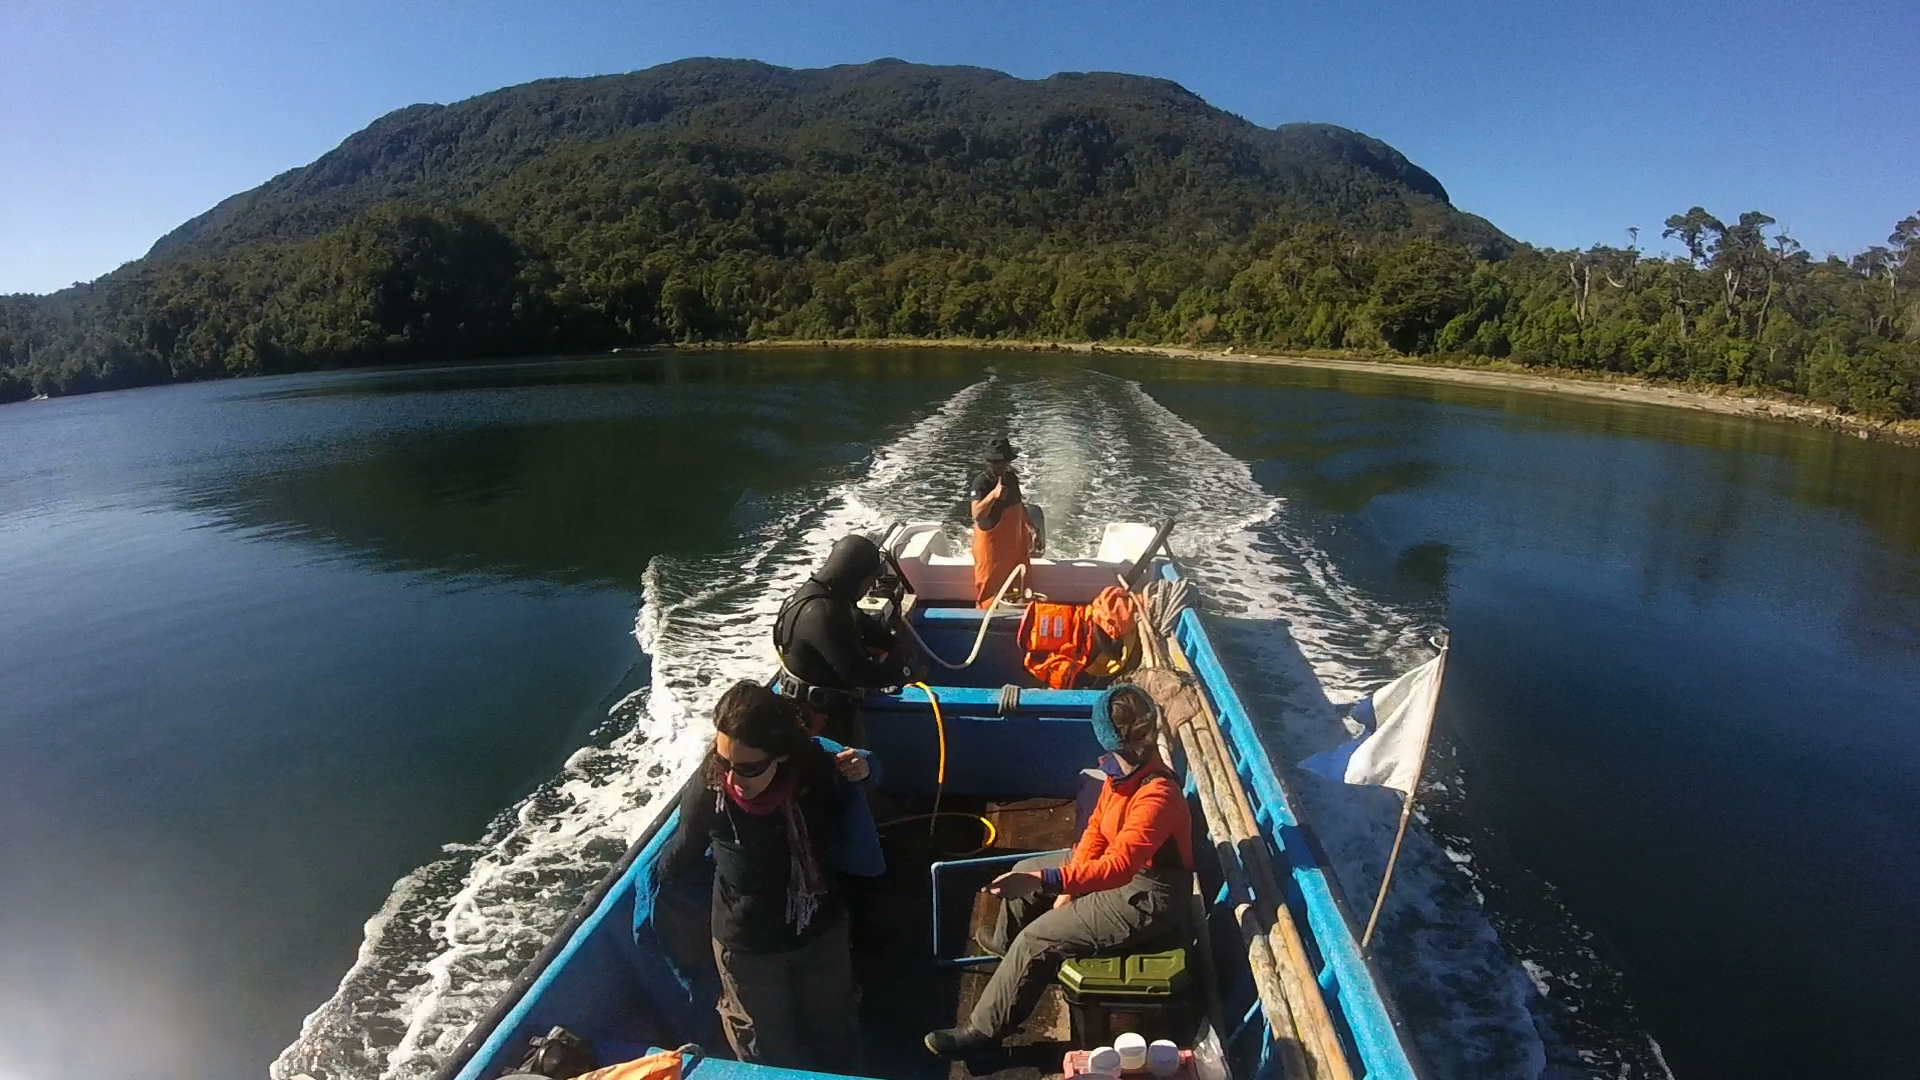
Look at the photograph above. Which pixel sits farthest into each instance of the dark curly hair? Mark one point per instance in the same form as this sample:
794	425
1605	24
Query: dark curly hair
751	713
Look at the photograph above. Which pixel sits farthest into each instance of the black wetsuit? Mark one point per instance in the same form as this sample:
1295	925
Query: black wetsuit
823	637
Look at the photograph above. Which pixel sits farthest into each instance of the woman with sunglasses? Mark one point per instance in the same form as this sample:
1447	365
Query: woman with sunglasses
771	801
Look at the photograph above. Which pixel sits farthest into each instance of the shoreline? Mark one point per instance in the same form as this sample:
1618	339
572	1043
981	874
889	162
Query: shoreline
1606	388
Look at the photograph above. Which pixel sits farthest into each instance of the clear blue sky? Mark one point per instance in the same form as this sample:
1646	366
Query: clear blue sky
1563	123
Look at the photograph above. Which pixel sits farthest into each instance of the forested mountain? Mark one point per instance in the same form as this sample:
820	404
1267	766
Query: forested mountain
728	200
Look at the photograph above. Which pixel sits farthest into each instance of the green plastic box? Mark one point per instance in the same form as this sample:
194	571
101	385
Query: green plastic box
1158	974
1143	992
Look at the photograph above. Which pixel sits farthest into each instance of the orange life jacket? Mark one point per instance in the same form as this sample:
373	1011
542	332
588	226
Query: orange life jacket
1063	640
1058	641
1112	612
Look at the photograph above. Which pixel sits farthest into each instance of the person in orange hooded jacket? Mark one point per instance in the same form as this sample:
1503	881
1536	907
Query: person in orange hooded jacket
1124	883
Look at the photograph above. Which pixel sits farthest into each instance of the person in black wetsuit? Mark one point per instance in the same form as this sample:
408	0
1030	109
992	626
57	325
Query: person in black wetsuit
768	805
826	643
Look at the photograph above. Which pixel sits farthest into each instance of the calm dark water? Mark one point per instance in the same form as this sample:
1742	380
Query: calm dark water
299	675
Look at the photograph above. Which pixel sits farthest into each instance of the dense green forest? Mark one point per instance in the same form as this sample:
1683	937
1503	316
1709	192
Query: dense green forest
728	200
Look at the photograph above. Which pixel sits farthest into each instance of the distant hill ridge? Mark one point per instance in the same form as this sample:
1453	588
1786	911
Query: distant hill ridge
1092	134
729	200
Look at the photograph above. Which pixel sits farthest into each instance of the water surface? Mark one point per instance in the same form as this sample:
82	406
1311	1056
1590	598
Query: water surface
327	694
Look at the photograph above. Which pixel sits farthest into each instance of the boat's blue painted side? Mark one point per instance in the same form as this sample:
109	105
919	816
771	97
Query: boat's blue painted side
722	1069
612	981
591	986
1353	995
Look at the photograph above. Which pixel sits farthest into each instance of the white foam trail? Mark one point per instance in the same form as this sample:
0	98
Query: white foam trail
453	934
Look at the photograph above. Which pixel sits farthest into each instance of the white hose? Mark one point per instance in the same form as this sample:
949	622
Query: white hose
986	618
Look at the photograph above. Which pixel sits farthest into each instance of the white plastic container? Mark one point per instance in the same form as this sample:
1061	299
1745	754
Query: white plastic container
1133	1051
1163	1058
1104	1061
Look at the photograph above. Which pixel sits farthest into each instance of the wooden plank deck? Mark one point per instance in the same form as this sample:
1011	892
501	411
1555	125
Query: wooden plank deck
1033	1052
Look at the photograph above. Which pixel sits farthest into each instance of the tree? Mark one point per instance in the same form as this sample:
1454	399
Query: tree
1418	290
1692	229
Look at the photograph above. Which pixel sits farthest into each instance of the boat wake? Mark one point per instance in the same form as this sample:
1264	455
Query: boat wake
452	934
1301	641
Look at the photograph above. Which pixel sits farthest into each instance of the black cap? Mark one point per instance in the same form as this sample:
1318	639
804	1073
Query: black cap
1000	450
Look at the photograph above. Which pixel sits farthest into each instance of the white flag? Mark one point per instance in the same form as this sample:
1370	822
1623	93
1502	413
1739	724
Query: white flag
1399	715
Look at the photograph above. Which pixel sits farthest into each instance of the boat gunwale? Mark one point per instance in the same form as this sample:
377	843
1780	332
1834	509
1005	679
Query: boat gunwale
1326	900
494	1023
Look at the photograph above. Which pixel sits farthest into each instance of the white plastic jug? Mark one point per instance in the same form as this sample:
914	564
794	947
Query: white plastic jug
1133	1051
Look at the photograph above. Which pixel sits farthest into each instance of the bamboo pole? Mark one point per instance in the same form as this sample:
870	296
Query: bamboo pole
1209	976
1296	984
1267	983
1196	903
1275	948
1386	879
1314	1021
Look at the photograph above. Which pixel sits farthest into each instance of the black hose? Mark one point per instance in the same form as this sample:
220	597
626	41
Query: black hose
1131	579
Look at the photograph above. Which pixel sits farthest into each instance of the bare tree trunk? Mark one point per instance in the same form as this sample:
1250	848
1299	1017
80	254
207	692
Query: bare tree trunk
1580	273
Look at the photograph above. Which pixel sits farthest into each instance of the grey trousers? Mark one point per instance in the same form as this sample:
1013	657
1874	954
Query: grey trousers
796	1009
1033	937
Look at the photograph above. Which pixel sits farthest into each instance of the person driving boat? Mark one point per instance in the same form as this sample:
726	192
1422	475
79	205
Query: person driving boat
1003	536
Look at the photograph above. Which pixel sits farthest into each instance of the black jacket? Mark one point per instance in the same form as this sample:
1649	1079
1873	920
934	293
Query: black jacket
821	634
751	872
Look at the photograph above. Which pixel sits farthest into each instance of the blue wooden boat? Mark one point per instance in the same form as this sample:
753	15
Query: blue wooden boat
630	969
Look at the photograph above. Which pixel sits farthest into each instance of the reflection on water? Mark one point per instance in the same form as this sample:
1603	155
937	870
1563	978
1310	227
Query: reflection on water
268	645
1874	481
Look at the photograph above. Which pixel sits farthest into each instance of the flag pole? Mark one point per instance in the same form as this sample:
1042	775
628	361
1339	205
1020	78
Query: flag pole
1406	811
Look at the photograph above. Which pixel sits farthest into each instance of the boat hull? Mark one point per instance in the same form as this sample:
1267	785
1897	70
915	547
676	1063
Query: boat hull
630	968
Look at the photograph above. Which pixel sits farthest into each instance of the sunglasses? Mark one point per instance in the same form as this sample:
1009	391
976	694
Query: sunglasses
746	770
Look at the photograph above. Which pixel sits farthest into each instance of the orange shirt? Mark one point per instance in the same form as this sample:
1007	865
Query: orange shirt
1133	820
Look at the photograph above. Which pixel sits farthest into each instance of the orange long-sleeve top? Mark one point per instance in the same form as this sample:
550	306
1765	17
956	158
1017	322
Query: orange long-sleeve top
1131	823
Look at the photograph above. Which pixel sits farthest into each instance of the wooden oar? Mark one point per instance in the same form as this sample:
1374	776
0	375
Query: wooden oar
1207	745
1252	919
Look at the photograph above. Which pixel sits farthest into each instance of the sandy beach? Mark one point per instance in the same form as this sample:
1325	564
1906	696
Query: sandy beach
1611	388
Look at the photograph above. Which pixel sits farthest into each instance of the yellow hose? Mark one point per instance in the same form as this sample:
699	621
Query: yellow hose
940	773
940	782
992	833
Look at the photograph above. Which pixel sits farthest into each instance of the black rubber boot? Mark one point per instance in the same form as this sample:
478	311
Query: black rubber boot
958	1042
